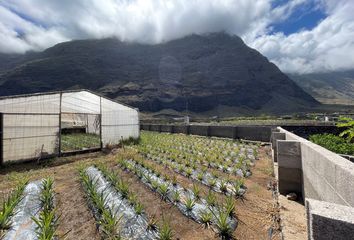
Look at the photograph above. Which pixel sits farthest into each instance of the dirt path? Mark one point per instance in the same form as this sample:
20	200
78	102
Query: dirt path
76	218
293	217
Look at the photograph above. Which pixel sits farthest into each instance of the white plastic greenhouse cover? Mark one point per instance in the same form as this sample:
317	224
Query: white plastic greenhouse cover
31	123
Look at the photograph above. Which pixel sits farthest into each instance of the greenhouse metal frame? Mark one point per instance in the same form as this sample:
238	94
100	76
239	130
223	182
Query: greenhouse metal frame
31	125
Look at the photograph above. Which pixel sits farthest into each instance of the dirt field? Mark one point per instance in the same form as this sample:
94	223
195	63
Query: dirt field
257	212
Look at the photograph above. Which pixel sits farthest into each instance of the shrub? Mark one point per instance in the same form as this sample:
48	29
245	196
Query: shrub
333	143
349	124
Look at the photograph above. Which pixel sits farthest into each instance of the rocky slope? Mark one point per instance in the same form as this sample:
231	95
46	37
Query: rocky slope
329	88
201	73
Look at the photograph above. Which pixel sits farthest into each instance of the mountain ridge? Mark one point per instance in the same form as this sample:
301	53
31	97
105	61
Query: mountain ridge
198	72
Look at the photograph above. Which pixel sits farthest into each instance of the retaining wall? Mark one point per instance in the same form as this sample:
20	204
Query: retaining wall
253	133
319	175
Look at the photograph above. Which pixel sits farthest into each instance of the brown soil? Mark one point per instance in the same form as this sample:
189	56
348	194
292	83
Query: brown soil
183	227
257	209
254	212
76	220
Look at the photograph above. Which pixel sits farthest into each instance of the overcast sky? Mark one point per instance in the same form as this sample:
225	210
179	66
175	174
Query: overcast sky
300	36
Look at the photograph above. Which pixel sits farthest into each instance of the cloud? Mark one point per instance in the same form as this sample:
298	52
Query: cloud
327	47
38	24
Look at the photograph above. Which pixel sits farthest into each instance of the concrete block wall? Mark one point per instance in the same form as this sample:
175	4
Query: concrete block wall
289	167
327	182
199	130
329	220
222	131
254	133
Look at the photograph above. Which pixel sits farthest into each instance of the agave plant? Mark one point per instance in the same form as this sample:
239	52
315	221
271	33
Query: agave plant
47	222
206	217
190	202
211	198
174	180
166	232
223	186
110	224
139	208
200	176
229	205
237	184
8	206
212	182
155	184
189	172
176	196
222	223
163	190
132	198
196	191
152	223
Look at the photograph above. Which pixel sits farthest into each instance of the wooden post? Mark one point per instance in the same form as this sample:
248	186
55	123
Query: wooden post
60	99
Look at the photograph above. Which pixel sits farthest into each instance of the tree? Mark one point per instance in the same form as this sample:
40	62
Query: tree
348	123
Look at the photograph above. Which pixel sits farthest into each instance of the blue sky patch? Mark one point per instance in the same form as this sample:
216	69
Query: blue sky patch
306	16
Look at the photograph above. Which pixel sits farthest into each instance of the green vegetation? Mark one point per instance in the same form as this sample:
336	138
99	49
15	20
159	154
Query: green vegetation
190	202
79	141
47	222
109	221
8	206
165	231
206	217
347	123
333	143
222	224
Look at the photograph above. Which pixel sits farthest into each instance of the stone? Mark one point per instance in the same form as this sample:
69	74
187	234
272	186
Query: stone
291	196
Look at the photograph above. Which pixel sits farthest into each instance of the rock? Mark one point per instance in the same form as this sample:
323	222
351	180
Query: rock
291	196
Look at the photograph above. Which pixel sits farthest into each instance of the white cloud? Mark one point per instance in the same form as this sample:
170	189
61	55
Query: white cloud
38	24
327	47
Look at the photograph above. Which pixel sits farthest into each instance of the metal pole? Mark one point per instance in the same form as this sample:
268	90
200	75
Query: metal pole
1	138
101	123
60	99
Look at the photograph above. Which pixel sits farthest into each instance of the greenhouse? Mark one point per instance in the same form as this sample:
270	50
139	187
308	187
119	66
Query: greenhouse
43	125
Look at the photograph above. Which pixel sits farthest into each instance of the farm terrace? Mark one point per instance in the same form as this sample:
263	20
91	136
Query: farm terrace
166	186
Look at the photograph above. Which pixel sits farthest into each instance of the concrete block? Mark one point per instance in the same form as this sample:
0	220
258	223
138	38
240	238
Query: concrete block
289	154
221	131
309	190
290	180
198	130
290	174
166	128
274	137
254	133
345	184
286	187
180	129
277	136
328	221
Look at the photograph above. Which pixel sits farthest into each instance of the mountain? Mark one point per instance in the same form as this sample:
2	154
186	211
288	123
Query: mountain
329	88
205	73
